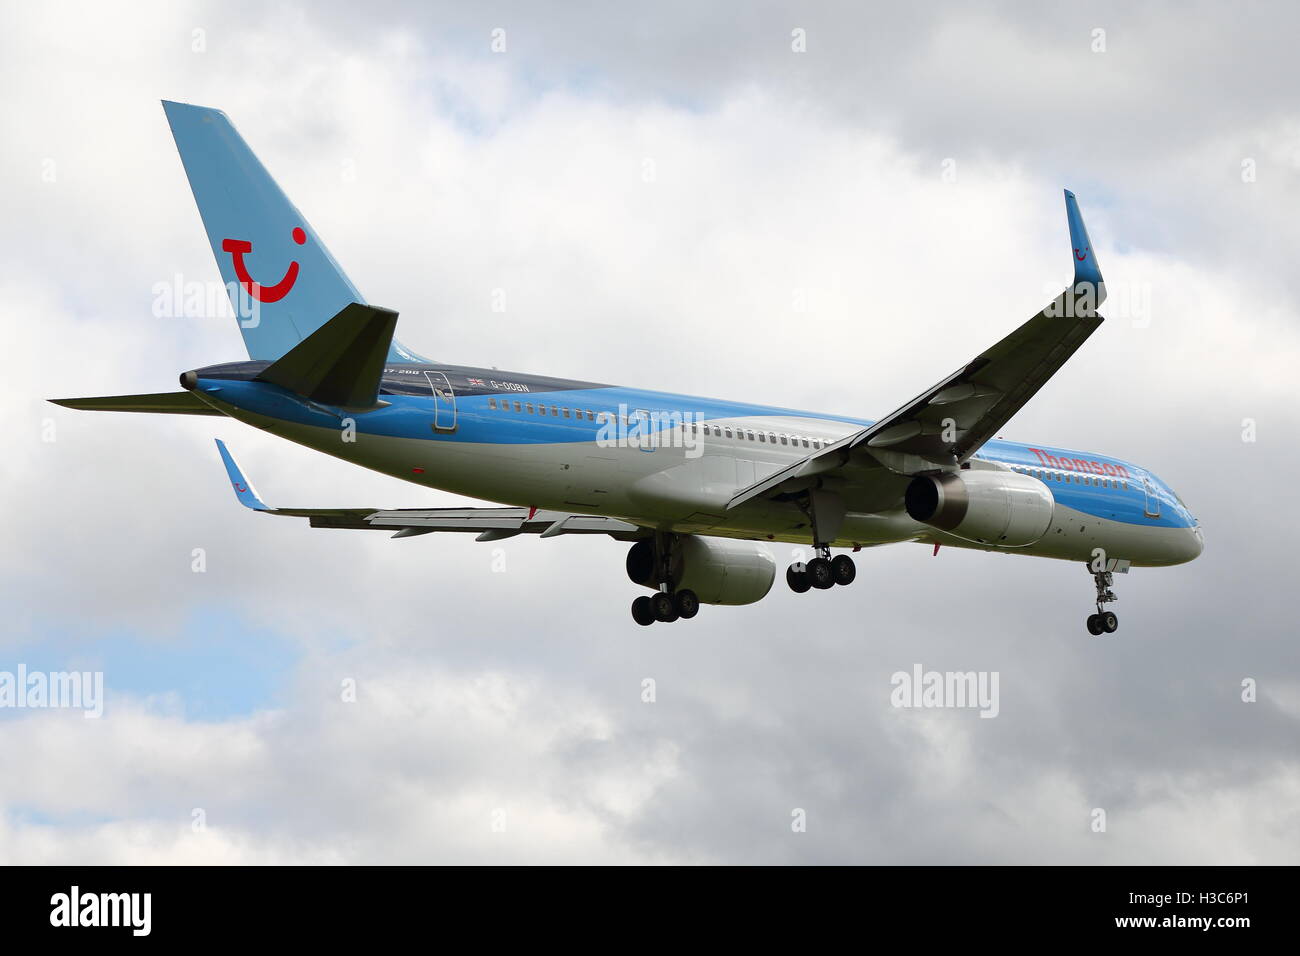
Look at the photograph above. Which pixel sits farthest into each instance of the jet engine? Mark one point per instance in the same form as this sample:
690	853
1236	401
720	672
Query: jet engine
1001	508
718	570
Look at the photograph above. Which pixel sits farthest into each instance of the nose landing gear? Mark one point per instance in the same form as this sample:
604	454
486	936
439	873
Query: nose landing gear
1103	622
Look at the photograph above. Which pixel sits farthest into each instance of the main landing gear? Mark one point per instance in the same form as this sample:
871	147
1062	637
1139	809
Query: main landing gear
666	606
650	563
822	572
825	513
1103	622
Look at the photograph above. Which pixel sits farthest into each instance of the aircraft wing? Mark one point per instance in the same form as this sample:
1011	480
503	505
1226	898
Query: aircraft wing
947	423
490	524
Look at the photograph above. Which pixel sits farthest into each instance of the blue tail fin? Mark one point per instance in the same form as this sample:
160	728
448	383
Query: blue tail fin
270	257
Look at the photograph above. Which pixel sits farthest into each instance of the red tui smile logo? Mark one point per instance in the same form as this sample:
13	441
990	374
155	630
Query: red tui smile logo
262	293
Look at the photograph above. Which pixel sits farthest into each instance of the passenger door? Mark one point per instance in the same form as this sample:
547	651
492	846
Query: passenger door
444	402
1151	503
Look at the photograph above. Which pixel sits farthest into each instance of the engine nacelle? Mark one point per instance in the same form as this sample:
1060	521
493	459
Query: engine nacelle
718	570
1002	508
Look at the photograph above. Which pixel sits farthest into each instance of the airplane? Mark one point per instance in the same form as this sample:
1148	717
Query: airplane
698	487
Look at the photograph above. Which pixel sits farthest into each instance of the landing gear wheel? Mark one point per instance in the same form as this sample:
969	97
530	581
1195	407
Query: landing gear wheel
662	605
820	574
686	604
1103	622
642	612
843	570
796	575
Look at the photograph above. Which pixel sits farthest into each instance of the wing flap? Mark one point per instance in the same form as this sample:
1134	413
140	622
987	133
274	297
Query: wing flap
491	524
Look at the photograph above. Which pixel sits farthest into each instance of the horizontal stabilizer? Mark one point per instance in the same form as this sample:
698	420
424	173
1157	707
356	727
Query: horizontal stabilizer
340	363
165	403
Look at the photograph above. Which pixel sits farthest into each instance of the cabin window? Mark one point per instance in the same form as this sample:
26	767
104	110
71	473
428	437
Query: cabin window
728	432
784	440
518	407
492	403
805	442
529	406
541	409
555	410
762	438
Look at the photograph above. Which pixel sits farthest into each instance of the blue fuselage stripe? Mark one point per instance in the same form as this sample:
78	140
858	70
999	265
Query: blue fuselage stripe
1093	484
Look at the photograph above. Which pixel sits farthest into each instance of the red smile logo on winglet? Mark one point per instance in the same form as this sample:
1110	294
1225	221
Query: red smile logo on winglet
260	292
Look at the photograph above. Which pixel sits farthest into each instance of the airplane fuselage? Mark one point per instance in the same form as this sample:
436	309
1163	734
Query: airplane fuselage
672	462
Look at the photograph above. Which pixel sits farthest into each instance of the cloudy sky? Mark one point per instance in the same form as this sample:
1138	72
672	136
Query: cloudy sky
655	194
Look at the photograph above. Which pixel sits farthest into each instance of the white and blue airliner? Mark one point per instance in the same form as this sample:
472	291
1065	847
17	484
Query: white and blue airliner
698	487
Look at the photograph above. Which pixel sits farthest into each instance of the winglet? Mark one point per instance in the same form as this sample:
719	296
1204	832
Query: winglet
243	490
1086	269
